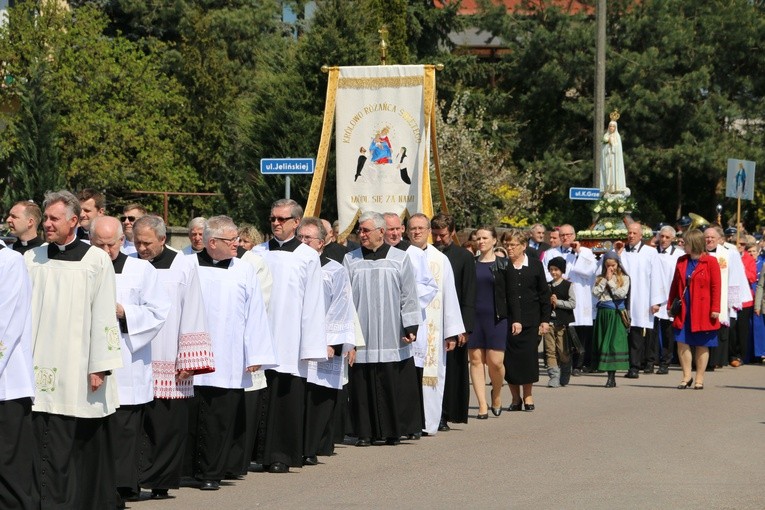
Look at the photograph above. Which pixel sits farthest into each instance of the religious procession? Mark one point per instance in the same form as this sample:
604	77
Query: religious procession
157	368
139	363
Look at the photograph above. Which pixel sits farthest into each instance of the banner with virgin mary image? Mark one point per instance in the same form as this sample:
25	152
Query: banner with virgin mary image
382	138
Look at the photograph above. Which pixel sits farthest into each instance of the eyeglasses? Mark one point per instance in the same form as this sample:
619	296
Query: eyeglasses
307	238
566	234
365	230
280	219
512	245
227	241
131	219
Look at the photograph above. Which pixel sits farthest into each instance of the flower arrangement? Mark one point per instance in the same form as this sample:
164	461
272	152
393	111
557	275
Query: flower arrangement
610	228
614	204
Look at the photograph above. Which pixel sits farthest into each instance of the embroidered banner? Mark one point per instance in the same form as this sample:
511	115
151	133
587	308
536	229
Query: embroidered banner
382	139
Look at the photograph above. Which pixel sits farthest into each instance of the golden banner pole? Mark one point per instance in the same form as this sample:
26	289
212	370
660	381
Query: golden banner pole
313	205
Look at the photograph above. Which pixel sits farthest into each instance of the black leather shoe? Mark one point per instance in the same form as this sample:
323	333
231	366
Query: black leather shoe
663	370
528	407
160	494
392	441
515	407
648	369
210	485
364	441
414	437
496	411
256	467
443	426
632	374
278	467
310	460
484	416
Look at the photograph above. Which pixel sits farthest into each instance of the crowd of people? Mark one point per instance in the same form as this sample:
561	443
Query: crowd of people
126	364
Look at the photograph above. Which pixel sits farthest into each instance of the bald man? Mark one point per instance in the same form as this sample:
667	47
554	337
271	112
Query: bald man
142	307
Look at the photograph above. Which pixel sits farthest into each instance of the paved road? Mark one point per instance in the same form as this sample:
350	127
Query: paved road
644	445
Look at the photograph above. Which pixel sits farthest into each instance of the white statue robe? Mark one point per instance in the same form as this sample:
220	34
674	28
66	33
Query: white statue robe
146	307
296	310
443	320
183	343
612	178
16	374
665	267
385	295
646	287
580	271
74	329
236	320
340	326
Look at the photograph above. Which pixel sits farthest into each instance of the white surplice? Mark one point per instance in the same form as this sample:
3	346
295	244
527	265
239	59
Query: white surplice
665	266
426	284
443	320
74	331
740	290
646	286
385	295
296	310
340	328
183	343
146	308
237	323
16	374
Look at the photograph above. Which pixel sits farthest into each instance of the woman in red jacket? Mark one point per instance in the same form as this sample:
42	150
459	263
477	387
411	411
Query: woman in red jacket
697	285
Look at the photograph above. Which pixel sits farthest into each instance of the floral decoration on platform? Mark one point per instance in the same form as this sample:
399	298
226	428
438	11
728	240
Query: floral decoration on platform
610	228
614	204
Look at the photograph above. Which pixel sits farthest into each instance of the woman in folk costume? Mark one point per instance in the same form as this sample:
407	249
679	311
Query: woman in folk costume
612	289
696	285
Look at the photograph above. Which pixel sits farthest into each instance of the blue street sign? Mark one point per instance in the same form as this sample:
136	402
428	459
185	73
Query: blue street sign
280	166
584	193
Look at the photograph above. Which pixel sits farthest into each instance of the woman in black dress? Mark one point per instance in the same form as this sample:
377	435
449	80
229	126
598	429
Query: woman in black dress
529	309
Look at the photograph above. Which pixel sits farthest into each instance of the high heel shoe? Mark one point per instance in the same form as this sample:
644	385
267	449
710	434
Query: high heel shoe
528	407
496	411
684	385
699	386
515	407
482	416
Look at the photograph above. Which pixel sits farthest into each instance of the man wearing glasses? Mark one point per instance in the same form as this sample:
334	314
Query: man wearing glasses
389	322
325	380
242	343
130	213
296	318
581	267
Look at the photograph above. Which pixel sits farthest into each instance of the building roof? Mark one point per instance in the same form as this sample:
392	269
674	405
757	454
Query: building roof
468	7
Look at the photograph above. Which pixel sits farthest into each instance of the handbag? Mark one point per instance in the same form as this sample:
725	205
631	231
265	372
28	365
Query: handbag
676	308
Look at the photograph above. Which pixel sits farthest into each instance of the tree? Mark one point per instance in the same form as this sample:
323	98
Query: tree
117	117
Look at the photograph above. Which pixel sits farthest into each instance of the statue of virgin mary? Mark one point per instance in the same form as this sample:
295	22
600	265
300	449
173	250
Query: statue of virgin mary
612	180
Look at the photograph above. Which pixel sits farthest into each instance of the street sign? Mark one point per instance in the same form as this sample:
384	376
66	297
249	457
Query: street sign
584	193
281	166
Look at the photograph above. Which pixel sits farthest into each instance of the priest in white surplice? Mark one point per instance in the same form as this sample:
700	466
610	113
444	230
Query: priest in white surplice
142	307
639	260
16	383
181	349
383	380
242	343
443	324
581	266
413	417
325	379
196	229
666	257
76	348
296	317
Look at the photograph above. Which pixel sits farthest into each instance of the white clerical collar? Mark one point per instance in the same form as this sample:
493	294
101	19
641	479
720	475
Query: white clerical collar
62	247
281	243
